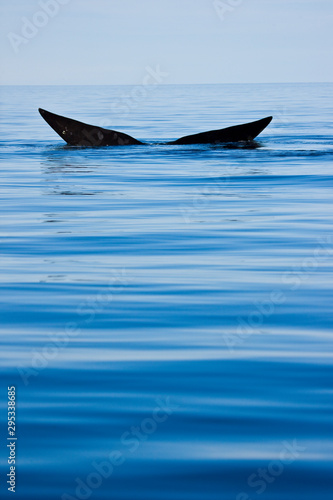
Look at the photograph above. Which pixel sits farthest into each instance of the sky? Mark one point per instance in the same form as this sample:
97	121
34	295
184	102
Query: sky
73	42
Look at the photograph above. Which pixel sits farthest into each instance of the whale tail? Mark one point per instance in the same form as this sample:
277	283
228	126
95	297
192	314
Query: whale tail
77	133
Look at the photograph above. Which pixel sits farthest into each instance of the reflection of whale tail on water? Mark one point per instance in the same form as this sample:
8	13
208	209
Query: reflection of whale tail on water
76	133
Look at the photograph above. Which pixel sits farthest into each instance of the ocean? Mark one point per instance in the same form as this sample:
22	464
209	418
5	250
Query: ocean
166	311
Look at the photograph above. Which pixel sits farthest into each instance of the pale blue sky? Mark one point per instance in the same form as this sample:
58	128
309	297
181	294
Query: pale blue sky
193	41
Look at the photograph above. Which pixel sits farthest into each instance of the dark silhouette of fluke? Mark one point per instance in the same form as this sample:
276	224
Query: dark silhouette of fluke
76	133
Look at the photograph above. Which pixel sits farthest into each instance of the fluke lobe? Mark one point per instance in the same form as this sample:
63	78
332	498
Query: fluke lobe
76	133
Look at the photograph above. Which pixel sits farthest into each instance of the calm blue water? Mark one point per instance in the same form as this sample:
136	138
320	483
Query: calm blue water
166	312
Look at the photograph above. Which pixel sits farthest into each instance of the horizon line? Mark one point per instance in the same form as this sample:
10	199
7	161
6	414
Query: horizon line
159	85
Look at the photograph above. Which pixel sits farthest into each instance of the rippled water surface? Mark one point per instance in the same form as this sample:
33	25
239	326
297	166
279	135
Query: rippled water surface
166	311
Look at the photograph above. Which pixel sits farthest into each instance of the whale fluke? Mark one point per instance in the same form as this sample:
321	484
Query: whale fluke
238	133
76	133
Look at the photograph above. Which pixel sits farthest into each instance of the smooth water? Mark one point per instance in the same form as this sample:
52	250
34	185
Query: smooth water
166	311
